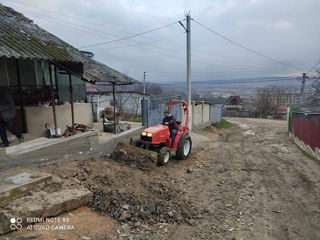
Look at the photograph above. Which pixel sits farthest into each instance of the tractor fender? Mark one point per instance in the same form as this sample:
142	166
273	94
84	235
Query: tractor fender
182	136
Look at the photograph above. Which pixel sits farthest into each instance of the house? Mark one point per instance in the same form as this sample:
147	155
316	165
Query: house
47	76
280	112
234	103
128	101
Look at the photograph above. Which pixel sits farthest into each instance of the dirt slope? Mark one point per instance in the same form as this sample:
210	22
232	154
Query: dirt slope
247	182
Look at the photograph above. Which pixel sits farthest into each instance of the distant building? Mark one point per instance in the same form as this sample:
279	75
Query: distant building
234	103
285	98
212	100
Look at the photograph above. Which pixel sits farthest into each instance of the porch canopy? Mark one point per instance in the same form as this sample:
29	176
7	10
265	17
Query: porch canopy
20	38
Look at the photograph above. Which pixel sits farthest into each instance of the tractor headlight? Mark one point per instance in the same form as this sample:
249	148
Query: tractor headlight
149	134
144	134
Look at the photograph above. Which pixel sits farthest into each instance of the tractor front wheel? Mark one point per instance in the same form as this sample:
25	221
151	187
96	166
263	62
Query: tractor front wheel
163	156
184	148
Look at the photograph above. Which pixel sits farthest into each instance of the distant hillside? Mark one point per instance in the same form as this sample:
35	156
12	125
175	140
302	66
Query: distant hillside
239	83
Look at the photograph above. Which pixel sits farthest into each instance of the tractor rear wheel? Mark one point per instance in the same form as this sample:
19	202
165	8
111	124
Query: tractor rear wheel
163	156
184	148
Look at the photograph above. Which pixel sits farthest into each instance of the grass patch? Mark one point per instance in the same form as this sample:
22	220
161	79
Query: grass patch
223	124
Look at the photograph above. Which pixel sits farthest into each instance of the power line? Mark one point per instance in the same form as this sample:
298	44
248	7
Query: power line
215	82
64	15
247	82
65	23
80	27
195	72
98	31
128	37
314	66
146	43
246	48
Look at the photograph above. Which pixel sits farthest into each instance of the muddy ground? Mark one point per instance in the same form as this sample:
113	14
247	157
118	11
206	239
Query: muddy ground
247	182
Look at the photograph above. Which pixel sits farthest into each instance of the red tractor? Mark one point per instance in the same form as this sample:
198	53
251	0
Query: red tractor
157	138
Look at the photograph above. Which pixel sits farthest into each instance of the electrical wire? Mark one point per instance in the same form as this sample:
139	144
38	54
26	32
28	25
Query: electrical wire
246	48
73	17
314	66
247	82
80	27
146	43
218	82
128	37
95	23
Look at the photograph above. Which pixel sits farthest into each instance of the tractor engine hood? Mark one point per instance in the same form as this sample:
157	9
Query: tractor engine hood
156	128
158	134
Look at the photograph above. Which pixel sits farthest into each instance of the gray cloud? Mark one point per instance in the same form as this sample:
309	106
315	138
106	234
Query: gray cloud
285	30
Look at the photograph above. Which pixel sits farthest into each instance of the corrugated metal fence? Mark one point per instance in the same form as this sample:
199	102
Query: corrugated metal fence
306	127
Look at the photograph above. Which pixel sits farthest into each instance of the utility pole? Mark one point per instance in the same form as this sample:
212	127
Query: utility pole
144	83
303	86
188	31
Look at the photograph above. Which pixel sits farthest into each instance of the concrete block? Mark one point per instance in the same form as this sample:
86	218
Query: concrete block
43	205
18	183
66	200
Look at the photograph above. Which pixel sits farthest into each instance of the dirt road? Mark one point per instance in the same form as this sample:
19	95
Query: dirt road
246	182
256	184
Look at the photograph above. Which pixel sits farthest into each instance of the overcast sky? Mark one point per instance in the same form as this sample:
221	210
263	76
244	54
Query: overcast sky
285	30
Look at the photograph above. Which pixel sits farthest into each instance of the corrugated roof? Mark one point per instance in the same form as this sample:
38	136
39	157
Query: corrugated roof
21	38
307	109
96	70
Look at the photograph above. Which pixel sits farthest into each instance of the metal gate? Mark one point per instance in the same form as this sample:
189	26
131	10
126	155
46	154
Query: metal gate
152	110
216	113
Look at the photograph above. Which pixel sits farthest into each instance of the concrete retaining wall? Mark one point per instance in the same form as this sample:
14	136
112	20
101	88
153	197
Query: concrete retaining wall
77	146
38	116
107	146
80	146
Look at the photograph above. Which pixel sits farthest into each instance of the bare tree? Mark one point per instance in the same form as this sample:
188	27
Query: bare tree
263	103
154	90
122	97
314	99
